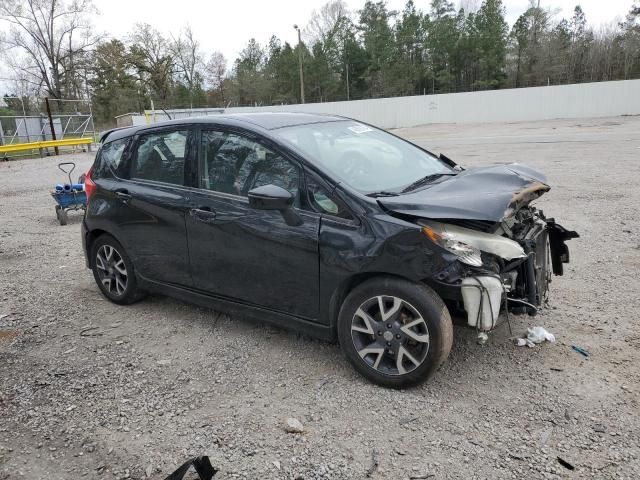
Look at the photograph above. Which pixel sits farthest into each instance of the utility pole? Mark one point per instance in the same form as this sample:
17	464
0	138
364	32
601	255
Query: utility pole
300	63
346	64
347	81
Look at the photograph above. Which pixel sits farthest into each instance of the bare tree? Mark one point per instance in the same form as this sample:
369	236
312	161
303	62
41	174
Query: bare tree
216	70
188	58
631	42
152	59
19	85
325	23
45	40
215	73
604	59
470	6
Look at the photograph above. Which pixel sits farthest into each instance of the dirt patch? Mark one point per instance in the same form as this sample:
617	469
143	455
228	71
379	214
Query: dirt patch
8	335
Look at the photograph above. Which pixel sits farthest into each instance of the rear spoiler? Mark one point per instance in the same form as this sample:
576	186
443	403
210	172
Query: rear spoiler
105	134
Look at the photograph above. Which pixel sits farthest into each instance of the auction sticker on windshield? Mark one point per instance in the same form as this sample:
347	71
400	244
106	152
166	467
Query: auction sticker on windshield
360	129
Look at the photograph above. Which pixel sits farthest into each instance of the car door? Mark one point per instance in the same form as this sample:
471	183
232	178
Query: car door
153	202
248	255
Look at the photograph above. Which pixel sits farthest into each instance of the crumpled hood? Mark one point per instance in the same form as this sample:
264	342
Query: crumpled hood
487	193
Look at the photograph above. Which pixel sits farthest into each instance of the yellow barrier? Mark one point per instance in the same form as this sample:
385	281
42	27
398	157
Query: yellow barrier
22	147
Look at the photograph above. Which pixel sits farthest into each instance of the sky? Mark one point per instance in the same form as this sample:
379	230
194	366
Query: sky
227	25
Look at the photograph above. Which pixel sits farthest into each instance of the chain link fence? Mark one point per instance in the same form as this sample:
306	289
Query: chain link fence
27	120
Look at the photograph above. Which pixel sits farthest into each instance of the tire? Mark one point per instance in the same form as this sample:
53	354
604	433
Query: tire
394	332
61	214
114	272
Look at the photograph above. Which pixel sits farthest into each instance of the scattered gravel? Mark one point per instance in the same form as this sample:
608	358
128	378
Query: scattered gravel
93	390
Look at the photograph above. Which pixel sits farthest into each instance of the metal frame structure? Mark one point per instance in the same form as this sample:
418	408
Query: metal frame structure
53	126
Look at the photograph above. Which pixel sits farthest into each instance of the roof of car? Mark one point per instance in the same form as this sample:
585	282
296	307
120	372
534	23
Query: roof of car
273	120
265	120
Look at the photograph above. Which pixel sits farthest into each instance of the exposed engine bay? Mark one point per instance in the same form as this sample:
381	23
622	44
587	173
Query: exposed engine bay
506	249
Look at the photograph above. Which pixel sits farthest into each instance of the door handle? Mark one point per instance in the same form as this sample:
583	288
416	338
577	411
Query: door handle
203	214
123	195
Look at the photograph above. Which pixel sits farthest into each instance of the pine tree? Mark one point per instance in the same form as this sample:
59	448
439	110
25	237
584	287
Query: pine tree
581	39
441	41
519	40
409	66
378	41
248	82
492	44
115	90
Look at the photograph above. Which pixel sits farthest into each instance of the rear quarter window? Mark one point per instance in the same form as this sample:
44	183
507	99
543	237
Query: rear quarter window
111	156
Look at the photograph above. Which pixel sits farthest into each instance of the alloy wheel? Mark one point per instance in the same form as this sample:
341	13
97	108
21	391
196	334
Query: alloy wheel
390	335
112	270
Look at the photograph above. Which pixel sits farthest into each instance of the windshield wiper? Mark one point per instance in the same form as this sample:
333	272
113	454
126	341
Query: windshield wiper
424	181
382	194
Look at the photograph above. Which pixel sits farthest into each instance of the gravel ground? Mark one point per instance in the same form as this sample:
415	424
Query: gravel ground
93	390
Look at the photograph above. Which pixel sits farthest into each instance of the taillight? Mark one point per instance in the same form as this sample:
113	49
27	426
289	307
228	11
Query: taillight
89	185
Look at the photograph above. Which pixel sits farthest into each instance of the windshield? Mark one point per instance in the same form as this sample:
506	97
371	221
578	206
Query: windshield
368	159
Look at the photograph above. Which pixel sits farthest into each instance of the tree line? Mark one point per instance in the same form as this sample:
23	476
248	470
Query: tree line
370	53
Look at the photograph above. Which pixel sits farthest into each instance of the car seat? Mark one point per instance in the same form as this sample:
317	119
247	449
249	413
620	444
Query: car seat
153	167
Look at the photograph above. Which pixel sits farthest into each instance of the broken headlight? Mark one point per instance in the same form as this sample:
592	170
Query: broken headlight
465	253
467	244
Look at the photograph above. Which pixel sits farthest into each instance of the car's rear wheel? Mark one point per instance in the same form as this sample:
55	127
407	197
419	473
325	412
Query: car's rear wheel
113	271
394	332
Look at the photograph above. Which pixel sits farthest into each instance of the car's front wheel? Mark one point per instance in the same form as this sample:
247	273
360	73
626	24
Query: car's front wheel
113	271
396	333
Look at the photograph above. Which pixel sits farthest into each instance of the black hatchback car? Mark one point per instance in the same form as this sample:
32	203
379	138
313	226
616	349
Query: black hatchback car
322	224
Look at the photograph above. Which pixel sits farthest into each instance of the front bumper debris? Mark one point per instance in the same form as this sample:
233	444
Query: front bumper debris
559	250
482	297
521	284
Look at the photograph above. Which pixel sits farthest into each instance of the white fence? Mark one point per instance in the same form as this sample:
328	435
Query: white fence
603	99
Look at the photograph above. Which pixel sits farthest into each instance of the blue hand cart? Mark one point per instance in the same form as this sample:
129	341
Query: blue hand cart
69	196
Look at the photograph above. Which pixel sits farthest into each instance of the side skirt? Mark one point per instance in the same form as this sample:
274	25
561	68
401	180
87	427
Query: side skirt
289	322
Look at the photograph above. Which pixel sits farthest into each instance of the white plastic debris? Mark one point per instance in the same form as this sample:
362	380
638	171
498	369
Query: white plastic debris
482	338
535	335
539	335
524	342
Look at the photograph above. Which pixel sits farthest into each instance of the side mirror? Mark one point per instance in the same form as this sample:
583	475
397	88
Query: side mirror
272	197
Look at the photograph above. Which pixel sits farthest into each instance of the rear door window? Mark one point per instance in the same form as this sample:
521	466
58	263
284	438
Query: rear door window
161	157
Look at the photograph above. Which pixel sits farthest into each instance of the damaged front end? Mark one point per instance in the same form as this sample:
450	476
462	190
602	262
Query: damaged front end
512	264
503	250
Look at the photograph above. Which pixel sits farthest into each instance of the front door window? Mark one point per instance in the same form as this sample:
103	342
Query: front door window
233	164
